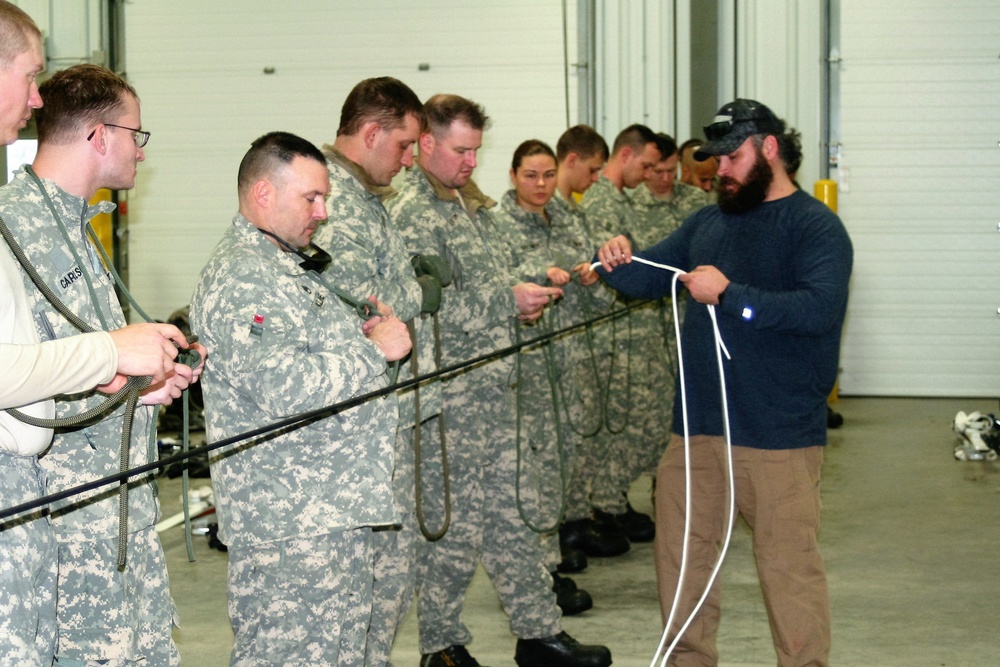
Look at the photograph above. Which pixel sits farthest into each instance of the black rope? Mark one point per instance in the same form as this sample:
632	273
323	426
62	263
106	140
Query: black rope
299	419
418	485
545	347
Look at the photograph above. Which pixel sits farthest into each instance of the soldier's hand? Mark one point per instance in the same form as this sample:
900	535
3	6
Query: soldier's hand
117	382
147	349
557	276
587	275
532	298
381	307
392	337
164	393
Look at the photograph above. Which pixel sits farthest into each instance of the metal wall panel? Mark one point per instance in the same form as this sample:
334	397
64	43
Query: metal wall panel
201	71
921	164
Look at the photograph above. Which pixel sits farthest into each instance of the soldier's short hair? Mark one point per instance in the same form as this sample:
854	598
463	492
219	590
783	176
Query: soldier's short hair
666	145
635	137
385	100
79	96
16	29
269	153
442	110
529	148
582	140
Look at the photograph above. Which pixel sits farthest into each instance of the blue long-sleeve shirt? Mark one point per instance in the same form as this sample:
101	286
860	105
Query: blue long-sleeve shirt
789	262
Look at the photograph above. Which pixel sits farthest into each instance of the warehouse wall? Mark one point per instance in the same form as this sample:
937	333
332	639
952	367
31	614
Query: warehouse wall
201	70
920	83
919	158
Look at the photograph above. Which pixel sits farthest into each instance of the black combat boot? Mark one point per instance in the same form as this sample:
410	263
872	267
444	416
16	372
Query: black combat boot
582	534
560	651
620	524
638	527
573	561
570	599
453	656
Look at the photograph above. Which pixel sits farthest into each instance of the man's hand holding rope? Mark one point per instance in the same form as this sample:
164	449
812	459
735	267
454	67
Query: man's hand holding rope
387	331
532	299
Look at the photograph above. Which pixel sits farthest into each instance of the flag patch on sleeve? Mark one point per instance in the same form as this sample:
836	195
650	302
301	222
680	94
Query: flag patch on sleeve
257	325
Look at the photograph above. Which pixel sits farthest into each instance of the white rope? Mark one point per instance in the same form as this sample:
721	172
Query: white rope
720	350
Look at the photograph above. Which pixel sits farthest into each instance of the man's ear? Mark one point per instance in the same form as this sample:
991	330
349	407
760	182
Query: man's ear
99	140
369	133
426	143
770	147
571	160
262	193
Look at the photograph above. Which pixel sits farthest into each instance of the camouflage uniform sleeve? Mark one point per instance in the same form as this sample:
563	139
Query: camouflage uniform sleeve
530	261
602	216
426	231
269	341
369	257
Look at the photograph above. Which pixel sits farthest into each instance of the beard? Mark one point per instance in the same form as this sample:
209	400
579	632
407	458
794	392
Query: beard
748	194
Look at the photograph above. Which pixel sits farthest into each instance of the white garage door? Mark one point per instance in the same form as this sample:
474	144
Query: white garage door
213	76
920	106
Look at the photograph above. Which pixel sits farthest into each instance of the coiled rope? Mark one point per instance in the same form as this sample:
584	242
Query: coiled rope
720	350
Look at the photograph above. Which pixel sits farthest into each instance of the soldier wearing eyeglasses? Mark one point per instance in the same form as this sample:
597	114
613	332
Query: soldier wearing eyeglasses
86	142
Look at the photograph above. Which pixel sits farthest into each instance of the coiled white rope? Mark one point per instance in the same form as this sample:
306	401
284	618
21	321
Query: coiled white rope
720	350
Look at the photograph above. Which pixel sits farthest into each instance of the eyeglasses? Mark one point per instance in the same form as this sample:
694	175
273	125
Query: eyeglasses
141	137
721	128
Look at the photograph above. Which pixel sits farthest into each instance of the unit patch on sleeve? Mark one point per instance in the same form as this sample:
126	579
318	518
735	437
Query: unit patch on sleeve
257	326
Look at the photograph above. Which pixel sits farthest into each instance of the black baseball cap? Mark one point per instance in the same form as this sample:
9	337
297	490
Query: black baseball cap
733	123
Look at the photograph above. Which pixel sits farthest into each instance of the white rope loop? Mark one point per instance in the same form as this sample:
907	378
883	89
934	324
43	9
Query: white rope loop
720	351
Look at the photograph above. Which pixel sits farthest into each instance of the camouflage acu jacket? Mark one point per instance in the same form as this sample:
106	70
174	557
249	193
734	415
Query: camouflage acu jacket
478	309
283	344
609	211
370	258
561	241
70	266
660	217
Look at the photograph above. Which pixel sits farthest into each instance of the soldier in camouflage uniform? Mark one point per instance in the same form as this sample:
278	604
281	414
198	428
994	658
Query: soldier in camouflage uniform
295	507
379	124
558	400
662	200
86	141
662	203
698	174
581	153
441	212
634	421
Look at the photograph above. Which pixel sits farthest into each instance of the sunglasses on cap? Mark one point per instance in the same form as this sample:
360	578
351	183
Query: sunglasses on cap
721	128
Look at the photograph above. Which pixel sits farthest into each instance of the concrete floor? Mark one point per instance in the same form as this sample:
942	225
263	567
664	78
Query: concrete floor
911	539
